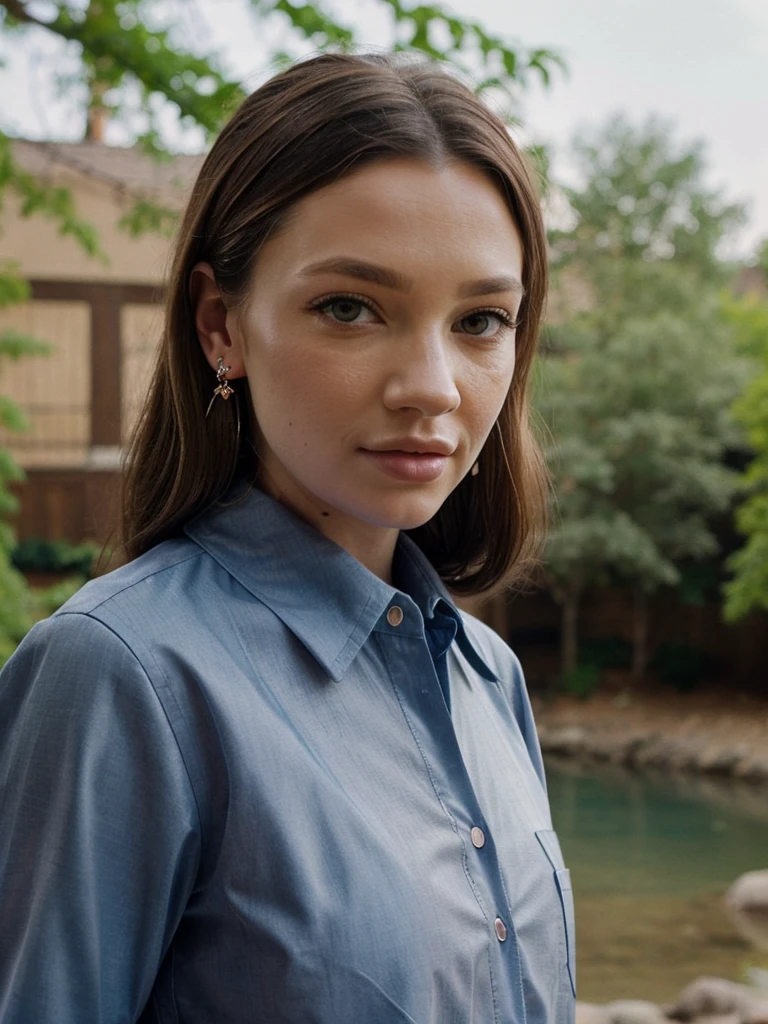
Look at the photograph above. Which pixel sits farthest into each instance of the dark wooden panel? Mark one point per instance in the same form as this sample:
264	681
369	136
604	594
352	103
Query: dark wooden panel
72	505
106	364
734	654
86	291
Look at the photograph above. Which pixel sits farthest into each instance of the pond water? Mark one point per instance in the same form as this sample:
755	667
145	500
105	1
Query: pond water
650	858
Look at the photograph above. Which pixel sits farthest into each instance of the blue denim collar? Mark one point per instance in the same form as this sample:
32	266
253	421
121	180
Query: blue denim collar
328	599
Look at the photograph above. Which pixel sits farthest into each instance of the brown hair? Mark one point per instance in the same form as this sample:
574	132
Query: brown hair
302	130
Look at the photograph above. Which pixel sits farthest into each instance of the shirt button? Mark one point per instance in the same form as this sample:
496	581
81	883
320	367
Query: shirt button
478	837
395	615
501	929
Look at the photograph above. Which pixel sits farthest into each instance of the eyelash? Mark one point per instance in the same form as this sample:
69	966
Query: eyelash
505	320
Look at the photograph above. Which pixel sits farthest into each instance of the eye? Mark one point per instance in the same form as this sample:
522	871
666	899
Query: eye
486	323
345	309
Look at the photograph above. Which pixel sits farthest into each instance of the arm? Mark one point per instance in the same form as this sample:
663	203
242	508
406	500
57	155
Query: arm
99	834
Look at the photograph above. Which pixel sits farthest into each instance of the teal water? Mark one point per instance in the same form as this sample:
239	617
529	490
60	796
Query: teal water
650	859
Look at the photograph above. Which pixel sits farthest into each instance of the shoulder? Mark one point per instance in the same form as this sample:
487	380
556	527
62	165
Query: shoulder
163	598
100	640
90	675
165	563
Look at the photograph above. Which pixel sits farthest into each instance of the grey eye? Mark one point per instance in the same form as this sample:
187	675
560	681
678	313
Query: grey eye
345	310
476	323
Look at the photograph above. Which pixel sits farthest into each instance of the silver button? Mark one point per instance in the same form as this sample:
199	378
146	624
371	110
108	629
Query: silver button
501	929
395	615
478	837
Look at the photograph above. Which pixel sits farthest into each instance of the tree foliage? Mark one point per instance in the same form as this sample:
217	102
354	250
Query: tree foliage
640	374
15	600
748	590
130	44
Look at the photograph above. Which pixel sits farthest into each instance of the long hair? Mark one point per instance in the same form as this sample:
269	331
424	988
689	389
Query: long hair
302	130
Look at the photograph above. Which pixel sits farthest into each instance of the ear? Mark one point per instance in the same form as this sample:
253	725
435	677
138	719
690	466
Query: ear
219	337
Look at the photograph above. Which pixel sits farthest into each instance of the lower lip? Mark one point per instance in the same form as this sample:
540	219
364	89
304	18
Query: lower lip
412	467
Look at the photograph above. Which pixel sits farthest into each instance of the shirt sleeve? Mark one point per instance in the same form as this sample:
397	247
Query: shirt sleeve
99	831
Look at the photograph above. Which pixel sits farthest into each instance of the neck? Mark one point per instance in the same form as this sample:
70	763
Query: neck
372	545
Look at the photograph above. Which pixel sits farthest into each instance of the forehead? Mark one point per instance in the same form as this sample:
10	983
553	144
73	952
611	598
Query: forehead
447	221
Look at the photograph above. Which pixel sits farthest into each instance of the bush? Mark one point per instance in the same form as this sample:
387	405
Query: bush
59	556
16	612
678	664
582	682
606	652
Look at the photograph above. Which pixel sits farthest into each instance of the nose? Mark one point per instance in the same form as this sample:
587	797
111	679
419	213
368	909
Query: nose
423	377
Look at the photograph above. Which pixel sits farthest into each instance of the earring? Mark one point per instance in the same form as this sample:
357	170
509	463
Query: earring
475	469
223	388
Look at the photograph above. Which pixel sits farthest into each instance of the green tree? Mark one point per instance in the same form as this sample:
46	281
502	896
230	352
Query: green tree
133	56
15	599
640	373
748	590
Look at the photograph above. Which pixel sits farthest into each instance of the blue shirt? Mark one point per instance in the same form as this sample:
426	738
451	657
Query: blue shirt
244	783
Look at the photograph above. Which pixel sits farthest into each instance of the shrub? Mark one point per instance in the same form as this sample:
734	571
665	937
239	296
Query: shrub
606	652
59	556
582	682
678	664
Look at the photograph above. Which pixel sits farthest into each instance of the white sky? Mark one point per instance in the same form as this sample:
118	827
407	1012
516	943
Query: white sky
701	63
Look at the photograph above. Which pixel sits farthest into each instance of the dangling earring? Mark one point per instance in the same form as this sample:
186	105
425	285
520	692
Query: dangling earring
475	469
223	388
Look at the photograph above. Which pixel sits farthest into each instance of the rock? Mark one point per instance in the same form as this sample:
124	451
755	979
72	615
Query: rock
720	1018
712	997
749	891
605	747
722	762
570	740
681	755
634	1011
753	769
747	905
758	977
656	751
588	1013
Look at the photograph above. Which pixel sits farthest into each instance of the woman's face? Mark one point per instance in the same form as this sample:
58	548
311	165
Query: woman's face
379	342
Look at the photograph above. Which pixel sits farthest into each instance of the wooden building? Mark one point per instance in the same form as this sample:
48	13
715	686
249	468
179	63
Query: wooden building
102	321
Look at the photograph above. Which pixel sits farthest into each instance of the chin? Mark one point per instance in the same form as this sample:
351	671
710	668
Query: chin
402	514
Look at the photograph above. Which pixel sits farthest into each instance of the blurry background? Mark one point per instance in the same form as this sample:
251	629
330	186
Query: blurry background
644	632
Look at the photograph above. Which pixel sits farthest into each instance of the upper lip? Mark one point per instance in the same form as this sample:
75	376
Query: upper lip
416	445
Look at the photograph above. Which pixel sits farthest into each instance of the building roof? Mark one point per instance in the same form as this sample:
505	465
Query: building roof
126	170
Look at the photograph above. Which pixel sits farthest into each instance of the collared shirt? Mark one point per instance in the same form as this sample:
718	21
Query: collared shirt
244	781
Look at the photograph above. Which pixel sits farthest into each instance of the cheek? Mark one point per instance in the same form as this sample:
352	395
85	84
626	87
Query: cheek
485	390
301	392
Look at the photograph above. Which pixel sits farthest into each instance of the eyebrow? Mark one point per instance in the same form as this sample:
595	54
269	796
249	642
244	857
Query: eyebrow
387	278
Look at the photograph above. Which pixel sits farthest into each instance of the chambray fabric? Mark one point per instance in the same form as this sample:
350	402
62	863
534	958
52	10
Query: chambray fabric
232	792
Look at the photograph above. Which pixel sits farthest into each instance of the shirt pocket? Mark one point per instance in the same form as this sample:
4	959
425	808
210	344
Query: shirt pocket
549	843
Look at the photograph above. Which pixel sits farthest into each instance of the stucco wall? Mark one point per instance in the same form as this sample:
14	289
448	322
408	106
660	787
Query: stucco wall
35	244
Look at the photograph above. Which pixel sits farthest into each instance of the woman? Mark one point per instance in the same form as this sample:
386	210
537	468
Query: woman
266	771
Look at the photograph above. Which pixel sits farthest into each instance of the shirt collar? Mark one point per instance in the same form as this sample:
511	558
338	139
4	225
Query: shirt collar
328	599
